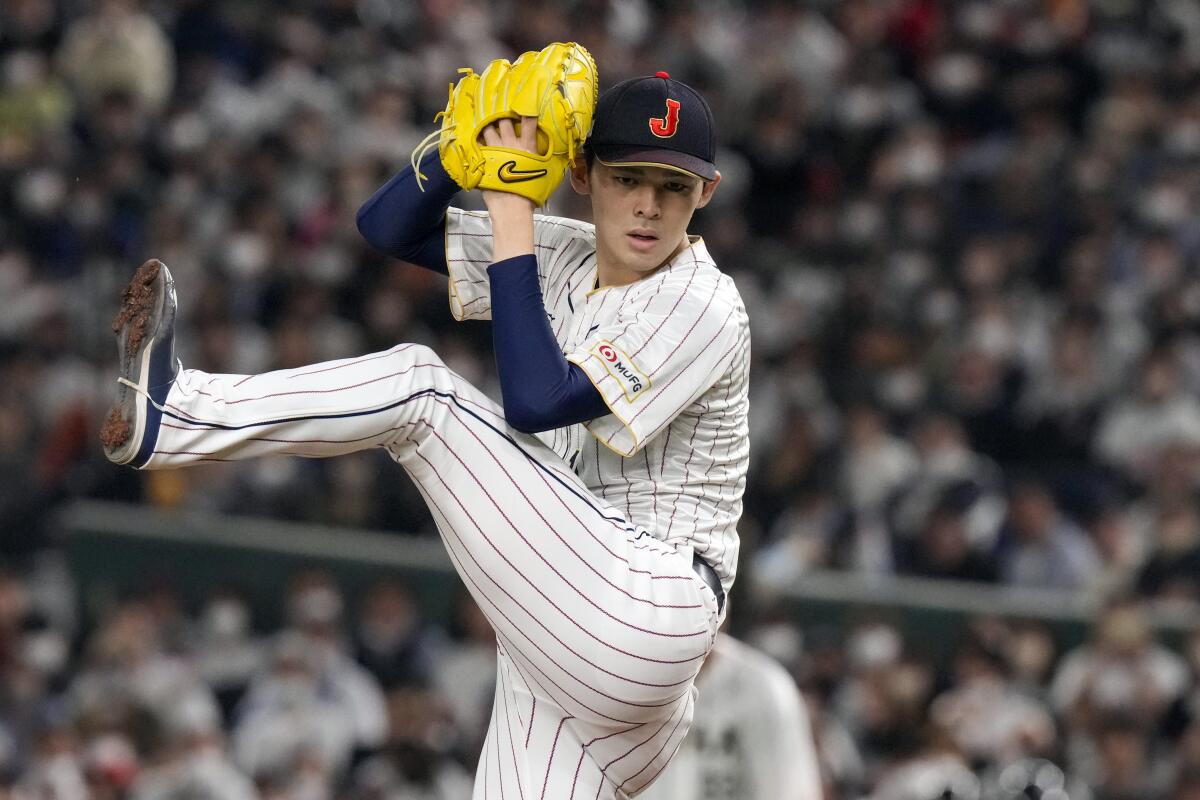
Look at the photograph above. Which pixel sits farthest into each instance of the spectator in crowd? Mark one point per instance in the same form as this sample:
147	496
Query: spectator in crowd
943	549
195	762
1172	484
812	532
1046	550
130	679
1067	387
416	760
876	463
935	771
314	608
1172	571
1029	651
951	472
1122	671
884	700
1126	768
1186	765
118	49
391	640
110	767
1161	412
988	718
288	727
794	465
227	652
55	766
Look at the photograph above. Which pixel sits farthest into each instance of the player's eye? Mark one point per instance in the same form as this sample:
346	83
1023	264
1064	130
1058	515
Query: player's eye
625	180
675	186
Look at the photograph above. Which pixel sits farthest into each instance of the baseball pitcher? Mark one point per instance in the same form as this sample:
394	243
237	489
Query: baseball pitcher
593	516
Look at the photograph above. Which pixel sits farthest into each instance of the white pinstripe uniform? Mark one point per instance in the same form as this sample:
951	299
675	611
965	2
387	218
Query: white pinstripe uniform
576	543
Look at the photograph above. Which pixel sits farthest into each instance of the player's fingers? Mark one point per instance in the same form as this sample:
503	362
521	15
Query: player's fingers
508	134
491	137
529	133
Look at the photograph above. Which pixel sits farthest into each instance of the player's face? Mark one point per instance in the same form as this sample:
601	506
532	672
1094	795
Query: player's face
641	215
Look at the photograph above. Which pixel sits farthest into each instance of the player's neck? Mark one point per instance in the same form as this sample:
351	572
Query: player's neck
610	272
618	275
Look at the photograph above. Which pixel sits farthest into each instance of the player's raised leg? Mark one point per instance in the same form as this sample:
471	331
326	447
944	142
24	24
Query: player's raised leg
166	417
553	566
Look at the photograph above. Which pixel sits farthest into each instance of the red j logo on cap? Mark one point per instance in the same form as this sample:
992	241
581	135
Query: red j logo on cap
665	127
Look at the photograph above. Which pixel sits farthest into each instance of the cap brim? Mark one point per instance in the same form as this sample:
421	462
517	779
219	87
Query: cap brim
667	159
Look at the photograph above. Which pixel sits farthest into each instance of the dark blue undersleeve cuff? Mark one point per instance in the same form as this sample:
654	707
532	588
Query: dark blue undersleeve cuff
540	388
407	223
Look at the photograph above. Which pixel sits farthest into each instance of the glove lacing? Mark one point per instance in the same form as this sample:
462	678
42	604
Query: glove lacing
430	142
433	139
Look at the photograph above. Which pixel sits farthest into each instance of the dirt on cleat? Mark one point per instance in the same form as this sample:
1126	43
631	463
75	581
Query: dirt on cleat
116	430
137	304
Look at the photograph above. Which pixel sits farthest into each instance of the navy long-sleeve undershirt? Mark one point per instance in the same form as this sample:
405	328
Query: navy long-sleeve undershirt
540	388
409	224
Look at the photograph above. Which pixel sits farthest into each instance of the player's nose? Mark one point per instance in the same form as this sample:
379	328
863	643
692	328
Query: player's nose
646	203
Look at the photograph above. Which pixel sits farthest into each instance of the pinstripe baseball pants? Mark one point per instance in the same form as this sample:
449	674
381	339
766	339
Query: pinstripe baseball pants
601	628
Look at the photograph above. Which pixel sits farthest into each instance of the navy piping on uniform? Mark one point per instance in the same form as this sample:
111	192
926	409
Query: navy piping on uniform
447	395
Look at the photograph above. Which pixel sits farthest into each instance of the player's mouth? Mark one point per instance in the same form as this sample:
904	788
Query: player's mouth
642	240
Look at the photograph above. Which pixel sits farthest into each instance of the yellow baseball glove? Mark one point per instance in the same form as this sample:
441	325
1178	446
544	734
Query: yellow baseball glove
557	86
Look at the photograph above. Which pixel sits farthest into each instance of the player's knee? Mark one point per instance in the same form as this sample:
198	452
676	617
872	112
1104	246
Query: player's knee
419	368
419	355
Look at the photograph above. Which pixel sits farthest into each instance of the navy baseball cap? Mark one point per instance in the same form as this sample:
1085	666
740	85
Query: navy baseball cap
656	122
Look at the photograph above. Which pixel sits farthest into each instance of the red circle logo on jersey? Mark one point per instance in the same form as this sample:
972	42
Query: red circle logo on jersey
608	353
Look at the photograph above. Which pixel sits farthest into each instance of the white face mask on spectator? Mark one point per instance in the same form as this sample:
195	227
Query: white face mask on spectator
45	651
384	635
226	620
317	604
876	646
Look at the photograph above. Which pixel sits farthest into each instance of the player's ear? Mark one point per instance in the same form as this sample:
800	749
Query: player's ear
707	190
580	179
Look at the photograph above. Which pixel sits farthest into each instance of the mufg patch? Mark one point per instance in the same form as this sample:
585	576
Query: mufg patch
619	365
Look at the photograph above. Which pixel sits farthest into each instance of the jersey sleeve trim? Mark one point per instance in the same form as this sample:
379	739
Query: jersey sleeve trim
469	293
624	441
446	244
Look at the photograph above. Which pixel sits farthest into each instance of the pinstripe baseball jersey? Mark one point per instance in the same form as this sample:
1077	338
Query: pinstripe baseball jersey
670	355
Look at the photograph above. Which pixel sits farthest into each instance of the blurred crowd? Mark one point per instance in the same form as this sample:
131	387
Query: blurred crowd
356	696
966	237
157	703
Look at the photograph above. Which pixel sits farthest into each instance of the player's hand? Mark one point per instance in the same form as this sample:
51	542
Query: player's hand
512	214
522	136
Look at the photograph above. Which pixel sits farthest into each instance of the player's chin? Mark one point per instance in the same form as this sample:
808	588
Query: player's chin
644	266
645	259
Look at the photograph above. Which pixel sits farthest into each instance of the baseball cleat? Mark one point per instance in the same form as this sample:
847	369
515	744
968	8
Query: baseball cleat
145	329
